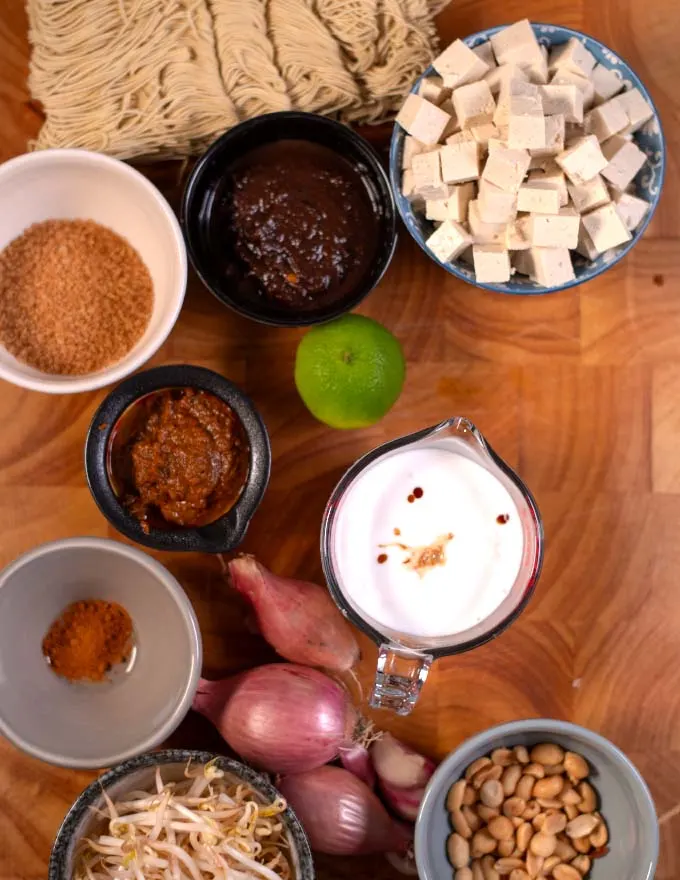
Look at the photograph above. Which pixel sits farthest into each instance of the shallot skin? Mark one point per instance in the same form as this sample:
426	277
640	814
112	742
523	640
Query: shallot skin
298	619
280	717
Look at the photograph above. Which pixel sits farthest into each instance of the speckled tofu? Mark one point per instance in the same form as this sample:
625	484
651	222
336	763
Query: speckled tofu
516	237
538	199
605	82
502	74
554	230
624	158
552	266
516	43
427	176
606	227
585	245
412	147
422	119
606	120
474	104
485	52
484	133
492	263
507	169
637	109
583	160
460	137
455	207
448	241
513	88
460	162
551	176
432	88
590	195
583	83
572	56
496	205
554	138
482	232
523	261
526	123
458	65
566	99
631	209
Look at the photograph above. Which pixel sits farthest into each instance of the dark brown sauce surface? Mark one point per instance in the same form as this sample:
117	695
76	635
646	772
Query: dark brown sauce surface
300	218
179	457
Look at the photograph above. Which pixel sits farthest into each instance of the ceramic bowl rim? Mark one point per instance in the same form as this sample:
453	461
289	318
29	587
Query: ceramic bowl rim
52	158
477	744
175	592
188	219
90	795
451	267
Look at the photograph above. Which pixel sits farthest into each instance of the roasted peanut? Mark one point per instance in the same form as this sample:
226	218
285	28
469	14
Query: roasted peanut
582	865
486	814
471	796
582	825
463	873
547	753
490	873
564	850
524	834
542	844
491	793
534	864
525	787
569	795
506	847
476	868
482	843
576	767
532	810
550	803
550	787
519	874
549	865
501	828
588	802
516	821
600	836
476	765
454	799
554	822
554	769
536	770
491	771
539	821
461	824
571	811
582	845
458	850
507	866
510	778
504	757
565	872
472	818
514	806
522	754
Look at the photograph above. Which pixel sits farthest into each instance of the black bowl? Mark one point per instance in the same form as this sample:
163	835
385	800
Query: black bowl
223	534
201	197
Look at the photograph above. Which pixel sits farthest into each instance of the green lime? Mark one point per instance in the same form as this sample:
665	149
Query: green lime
349	372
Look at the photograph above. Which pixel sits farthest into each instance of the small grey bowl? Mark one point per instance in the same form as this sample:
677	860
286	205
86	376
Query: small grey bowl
626	803
138	773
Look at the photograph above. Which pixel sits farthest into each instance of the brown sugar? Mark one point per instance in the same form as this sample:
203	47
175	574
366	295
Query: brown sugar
75	297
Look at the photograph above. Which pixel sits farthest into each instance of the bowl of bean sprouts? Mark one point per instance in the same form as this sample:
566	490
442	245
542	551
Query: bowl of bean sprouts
181	815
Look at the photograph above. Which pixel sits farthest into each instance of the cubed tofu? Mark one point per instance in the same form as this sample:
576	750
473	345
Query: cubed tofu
583	160
551	177
605	82
474	104
460	137
624	158
492	264
565	99
537	69
485	52
494	144
585	86
455	207
554	138
572	56
538	199
523	262
412	147
526	123
458	65
516	44
483	133
585	245
496	205
408	189
427	176
507	168
516	237
482	232
452	126
460	162
606	227
448	241
432	88
637	109
631	209
606	120
554	230
513	88
497	76
552	267
590	195
422	119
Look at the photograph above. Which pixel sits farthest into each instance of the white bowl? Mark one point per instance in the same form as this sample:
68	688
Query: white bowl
78	724
78	184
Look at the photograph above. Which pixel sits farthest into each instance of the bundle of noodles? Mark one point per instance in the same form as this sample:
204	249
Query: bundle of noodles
127	77
246	57
310	60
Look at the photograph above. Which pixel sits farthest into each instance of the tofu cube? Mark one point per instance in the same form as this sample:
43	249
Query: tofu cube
408	190
606	227
554	230
552	266
554	138
492	264
460	162
582	83
494	144
605	83
432	89
526	123
538	199
513	88
483	133
422	119
452	126
590	195
631	209
585	245
485	52
523	261
551	177
460	137
516	237
583	160
427	176
474	104
637	109
455	207
483	232
507	169
517	44
458	65
565	99
537	70
498	76
606	120
448	241
412	147
625	160
496	205
572	56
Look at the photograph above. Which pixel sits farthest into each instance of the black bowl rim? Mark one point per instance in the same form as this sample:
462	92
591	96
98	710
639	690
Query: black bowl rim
187	217
90	795
225	533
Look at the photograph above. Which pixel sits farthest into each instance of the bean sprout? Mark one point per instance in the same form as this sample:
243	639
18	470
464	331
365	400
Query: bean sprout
205	827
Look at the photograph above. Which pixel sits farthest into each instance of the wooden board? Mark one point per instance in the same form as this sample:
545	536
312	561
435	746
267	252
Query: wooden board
579	391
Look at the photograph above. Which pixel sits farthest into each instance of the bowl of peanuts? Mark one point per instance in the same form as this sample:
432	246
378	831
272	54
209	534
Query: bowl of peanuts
538	798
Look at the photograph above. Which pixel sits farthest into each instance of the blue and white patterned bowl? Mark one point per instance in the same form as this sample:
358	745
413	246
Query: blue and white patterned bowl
648	183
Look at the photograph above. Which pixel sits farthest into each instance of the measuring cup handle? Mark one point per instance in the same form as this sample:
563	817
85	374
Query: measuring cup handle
400	676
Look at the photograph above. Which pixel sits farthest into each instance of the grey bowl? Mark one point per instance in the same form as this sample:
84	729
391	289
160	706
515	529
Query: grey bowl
138	773
626	803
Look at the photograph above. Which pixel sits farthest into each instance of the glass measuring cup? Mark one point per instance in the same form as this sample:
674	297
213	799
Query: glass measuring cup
404	659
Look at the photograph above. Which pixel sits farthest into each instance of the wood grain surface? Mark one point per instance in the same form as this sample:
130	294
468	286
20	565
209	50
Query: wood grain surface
579	391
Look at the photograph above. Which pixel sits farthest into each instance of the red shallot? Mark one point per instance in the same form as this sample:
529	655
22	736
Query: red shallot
281	717
403	775
298	619
340	814
357	760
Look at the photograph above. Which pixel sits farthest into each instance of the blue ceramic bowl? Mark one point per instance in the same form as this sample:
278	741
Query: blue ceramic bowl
625	801
648	183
